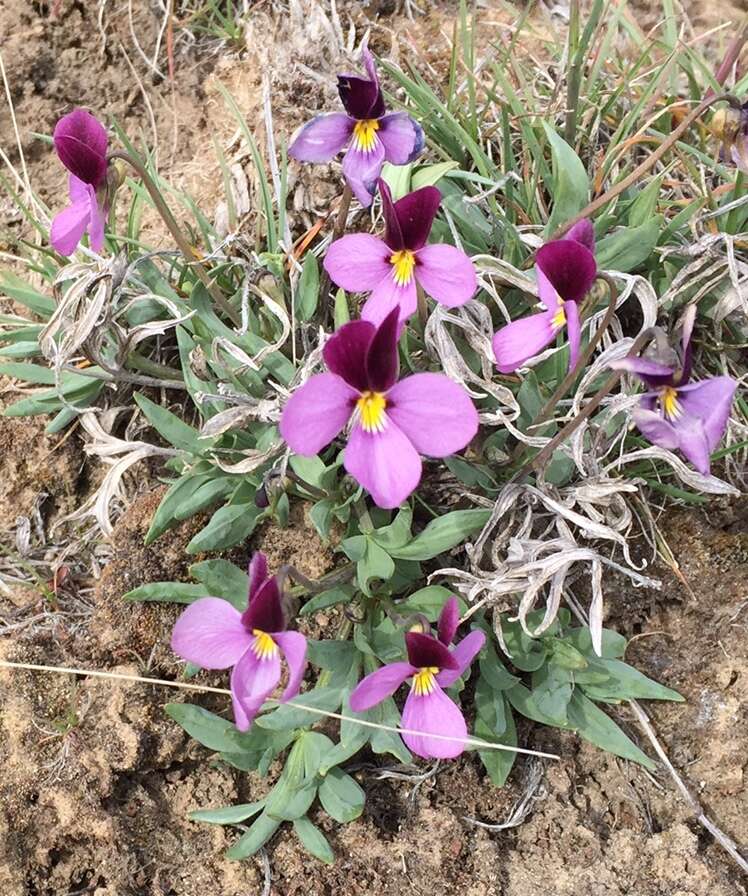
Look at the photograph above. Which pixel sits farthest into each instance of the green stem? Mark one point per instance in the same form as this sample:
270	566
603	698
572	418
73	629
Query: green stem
574	75
341	220
184	246
146	365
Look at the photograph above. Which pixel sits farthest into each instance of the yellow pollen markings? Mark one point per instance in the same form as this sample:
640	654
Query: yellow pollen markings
559	318
403	261
365	134
371	407
424	680
264	647
671	407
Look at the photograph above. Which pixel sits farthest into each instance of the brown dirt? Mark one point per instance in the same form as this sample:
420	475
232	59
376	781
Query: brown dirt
97	781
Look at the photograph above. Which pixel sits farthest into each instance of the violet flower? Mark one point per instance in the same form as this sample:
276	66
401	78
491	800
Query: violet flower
432	666
375	138
566	269
81	144
392	267
676	414
392	422
215	635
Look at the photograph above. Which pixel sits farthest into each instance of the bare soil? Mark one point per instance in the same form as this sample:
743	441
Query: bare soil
97	781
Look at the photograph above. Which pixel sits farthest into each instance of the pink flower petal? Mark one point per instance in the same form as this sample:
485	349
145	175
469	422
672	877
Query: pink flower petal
402	138
258	572
449	619
210	633
569	266
361	170
346	351
358	262
68	227
433	713
379	685
293	645
522	339
710	401
388	295
464	653
434	412
322	138
81	144
574	331
583	232
385	463
446	273
655	428
253	680
316	413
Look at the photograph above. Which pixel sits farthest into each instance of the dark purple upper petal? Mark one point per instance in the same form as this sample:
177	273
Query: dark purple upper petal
416	213
265	611
689	319
382	359
570	267
258	572
81	144
583	232
362	97
346	352
393	234
449	619
425	651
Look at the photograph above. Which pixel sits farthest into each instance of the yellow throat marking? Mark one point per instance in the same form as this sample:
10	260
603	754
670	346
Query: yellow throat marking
264	648
403	261
424	681
671	407
559	318
365	134
371	407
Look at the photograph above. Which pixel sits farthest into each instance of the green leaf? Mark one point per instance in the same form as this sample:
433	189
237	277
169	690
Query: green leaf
341	312
599	729
613	646
207	728
227	814
29	373
228	526
222	579
216	489
429	601
307	290
498	763
167	592
313	840
551	691
175	431
442	534
570	188
286	717
397	533
397	178
627	683
430	175
628	248
13	286
255	838
295	791
342	594
341	796
177	493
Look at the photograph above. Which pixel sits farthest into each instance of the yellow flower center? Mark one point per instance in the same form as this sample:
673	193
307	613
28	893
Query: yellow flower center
371	407
364	134
559	318
264	647
403	261
671	407
424	680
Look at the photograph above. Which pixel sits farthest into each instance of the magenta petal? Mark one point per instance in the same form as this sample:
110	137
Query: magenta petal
385	463
425	651
416	213
81	144
644	368
434	713
569	266
574	331
583	232
265	610
388	295
358	262
393	234
68	227
382	359
253	680
345	353
464	653
316	413
709	401
693	442
96	222
449	619
689	319
521	340
379	685
258	572
434	412
402	138
361	170
446	273
210	633
293	645
322	138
